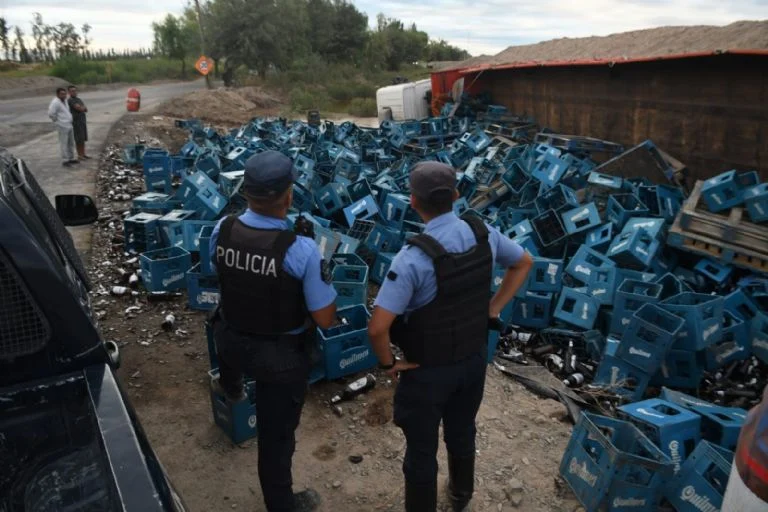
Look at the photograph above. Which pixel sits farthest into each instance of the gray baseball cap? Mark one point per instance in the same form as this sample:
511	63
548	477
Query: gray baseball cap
428	177
269	173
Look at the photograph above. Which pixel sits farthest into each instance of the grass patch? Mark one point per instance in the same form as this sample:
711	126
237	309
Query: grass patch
78	71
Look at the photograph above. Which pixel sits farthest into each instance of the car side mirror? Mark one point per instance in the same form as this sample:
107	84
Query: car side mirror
76	209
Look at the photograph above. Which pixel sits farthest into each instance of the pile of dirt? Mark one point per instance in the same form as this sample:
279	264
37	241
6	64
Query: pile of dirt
654	42
28	86
223	105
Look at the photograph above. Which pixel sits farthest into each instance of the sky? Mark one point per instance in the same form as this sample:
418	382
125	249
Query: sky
479	26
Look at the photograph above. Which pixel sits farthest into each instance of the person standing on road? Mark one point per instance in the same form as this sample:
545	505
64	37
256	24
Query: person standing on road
80	129
59	113
274	288
435	305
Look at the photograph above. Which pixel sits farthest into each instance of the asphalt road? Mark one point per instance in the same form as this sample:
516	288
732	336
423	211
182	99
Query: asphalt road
27	131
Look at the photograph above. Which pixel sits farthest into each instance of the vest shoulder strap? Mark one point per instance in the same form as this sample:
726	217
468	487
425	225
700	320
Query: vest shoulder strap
283	242
429	245
477	226
225	230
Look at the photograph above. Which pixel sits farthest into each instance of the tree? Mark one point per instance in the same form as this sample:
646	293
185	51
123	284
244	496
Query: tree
86	29
441	50
170	40
24	55
4	30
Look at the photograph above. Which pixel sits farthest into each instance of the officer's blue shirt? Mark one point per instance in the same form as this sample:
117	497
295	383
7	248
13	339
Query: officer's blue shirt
302	260
411	282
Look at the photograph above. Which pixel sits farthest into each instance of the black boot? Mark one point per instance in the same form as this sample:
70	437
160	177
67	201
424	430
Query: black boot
306	501
461	481
420	498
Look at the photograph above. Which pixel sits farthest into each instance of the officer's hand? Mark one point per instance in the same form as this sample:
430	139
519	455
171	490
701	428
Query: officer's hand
401	366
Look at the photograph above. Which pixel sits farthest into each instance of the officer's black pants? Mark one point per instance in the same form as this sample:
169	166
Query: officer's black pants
424	396
279	399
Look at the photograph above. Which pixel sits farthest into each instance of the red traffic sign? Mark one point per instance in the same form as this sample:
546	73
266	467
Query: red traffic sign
204	65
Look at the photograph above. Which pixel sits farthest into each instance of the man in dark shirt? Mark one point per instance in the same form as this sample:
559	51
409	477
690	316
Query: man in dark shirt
78	109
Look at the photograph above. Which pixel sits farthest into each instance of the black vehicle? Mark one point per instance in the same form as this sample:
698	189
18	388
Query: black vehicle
69	439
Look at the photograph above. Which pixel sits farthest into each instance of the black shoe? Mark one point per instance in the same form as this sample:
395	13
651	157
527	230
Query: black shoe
420	498
85	157
75	161
461	482
306	501
67	164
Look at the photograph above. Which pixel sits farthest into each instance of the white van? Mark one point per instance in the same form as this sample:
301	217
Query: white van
404	101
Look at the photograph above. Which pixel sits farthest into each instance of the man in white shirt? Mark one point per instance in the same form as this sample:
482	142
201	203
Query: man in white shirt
59	113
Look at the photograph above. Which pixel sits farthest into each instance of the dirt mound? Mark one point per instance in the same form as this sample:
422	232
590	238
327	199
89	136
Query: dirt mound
654	42
230	106
29	86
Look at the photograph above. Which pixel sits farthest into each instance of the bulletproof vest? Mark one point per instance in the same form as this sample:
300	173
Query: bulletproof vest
257	295
454	325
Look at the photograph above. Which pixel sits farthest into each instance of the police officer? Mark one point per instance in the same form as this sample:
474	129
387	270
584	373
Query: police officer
435	305
272	295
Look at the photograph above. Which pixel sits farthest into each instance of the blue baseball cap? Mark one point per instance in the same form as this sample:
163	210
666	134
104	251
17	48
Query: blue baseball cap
268	174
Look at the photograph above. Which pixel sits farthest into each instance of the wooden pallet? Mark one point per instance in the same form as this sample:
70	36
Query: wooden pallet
730	238
733	227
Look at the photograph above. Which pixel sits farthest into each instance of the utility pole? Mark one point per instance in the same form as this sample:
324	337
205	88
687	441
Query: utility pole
202	41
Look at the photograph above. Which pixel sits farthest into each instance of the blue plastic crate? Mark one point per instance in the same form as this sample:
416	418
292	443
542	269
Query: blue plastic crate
359	190
671	285
350	279
672	428
602	284
153	202
610	465
670	201
654	227
384	239
381	266
759	336
741	305
142	233
303	200
192	230
735	344
477	140
327	241
395	208
522	228
682	369
622	378
209	163
683	400
203	293
133	154
364	209
549	228
701	482
556	198
648	337
157	171
347	244
332	198
622	207
230	182
721	192
721	425
630	297
346	348
577	308
703	316
546	275
756	201
164	269
599	238
550	168
715	271
515	176
625	273
533	310
529	244
580	219
206	268
238	419
172	228
634	250
531	191
584	262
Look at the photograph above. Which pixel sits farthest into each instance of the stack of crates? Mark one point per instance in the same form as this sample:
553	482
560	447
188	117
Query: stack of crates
142	233
350	279
346	348
701	482
157	171
203	291
610	465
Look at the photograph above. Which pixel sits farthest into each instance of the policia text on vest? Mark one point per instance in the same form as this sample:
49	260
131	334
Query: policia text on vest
243	260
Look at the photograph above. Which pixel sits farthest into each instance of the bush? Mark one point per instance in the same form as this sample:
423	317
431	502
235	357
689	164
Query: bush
362	107
305	99
78	71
